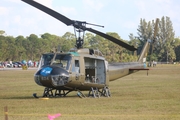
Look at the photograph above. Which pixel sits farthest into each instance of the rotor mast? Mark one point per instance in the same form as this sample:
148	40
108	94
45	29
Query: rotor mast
79	31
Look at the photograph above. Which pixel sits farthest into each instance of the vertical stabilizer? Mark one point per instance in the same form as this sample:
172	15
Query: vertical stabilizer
144	52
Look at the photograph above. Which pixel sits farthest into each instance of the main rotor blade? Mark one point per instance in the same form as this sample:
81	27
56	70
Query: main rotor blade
117	41
49	11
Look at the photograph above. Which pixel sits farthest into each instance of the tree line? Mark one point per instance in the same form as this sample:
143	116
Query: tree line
166	46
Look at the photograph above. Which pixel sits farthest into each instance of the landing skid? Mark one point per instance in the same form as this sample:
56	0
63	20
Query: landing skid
93	92
106	92
96	93
50	92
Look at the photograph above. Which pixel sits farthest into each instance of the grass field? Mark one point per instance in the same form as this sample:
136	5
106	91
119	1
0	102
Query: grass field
134	97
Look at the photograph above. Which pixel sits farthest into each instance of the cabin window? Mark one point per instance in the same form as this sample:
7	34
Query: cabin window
75	66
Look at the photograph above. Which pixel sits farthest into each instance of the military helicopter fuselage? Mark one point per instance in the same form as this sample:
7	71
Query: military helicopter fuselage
79	70
73	70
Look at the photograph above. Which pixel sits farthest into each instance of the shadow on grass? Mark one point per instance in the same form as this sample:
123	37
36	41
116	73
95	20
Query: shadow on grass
32	97
18	97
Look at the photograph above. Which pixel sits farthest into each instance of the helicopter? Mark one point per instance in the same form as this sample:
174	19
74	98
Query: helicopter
81	69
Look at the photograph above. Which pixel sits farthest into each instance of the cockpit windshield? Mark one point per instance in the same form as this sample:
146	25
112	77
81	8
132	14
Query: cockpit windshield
61	60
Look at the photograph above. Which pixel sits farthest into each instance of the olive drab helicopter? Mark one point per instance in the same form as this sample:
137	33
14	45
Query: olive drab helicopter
81	69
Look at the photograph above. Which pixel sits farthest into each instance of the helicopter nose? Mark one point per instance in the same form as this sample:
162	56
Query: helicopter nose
52	76
59	77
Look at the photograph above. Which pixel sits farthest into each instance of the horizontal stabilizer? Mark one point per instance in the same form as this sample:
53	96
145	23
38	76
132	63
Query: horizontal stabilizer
138	69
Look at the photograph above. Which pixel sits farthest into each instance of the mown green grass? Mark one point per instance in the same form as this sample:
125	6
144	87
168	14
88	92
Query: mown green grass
134	97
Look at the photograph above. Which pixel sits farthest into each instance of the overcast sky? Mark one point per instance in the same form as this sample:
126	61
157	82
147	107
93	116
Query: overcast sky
120	16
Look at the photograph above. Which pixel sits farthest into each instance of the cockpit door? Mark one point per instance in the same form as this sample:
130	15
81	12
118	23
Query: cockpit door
75	68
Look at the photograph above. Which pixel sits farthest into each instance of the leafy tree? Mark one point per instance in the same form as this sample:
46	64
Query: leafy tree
134	41
51	41
21	50
2	32
9	49
67	41
114	49
177	49
88	38
3	47
165	41
144	31
32	47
